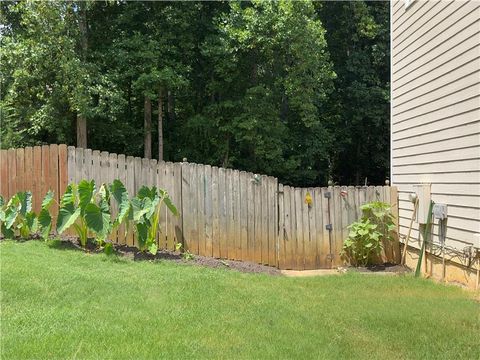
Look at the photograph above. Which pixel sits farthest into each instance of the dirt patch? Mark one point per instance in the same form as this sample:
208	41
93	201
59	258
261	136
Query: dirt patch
242	266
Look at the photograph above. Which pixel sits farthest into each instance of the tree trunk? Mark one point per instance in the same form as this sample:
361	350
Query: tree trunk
81	119
81	131
160	125
171	109
147	127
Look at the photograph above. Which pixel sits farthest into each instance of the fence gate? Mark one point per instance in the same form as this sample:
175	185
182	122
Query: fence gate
313	223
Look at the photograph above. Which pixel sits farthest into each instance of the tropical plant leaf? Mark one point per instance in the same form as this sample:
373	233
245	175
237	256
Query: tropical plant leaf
67	216
10	216
153	249
7	232
142	233
97	220
48	200
170	206
146	192
30	220
25	198
120	194
86	189
69	197
45	223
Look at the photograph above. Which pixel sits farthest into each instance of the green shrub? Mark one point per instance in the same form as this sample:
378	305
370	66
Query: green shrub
366	236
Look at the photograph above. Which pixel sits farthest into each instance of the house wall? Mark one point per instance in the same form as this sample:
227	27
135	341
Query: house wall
435	116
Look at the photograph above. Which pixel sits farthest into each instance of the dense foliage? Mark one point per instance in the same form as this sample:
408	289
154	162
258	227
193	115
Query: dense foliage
297	90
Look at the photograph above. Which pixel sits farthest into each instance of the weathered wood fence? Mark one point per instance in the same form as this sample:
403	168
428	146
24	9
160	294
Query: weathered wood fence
225	213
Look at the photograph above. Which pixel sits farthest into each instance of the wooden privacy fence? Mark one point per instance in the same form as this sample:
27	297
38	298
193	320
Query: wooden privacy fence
224	213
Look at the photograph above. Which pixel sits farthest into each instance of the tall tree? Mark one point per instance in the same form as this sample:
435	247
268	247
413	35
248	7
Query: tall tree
358	39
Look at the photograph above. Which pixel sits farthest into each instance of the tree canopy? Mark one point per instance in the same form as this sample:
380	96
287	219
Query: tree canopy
294	89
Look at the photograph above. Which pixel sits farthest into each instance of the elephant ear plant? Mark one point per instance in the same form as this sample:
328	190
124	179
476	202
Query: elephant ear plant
18	215
79	210
145	213
88	210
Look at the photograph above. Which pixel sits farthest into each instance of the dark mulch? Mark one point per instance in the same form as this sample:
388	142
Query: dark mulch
385	268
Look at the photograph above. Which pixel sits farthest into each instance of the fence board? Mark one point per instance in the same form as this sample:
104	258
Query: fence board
250	217
37	175
122	176
12	172
20	160
112	175
230	238
263	235
167	216
243	198
130	186
53	178
237	206
62	170
186	207
45	168
87	166
215	213
221	213
78	164
28	178
160	182
177	199
207	191
311	248
4	175
200	192
319	227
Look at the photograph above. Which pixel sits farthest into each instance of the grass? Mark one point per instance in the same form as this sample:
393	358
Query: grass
65	304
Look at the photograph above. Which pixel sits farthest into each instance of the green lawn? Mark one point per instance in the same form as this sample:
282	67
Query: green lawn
66	304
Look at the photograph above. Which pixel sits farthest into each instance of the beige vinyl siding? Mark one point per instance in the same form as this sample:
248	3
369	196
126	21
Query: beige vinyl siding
436	111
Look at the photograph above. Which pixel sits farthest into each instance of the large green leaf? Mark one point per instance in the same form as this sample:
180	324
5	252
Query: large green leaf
67	216
141	207
69	196
25	202
97	220
170	206
7	232
45	223
48	200
10	216
86	189
30	220
120	194
146	192
142	235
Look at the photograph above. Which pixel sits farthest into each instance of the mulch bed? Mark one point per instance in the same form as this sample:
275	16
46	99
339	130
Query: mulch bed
381	268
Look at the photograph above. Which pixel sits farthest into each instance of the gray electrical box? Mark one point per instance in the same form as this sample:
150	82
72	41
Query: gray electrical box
440	211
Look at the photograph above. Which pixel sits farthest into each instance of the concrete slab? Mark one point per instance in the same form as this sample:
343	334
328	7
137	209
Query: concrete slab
306	273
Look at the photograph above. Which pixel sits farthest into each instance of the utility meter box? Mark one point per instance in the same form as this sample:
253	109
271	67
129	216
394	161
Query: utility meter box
440	211
423	192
